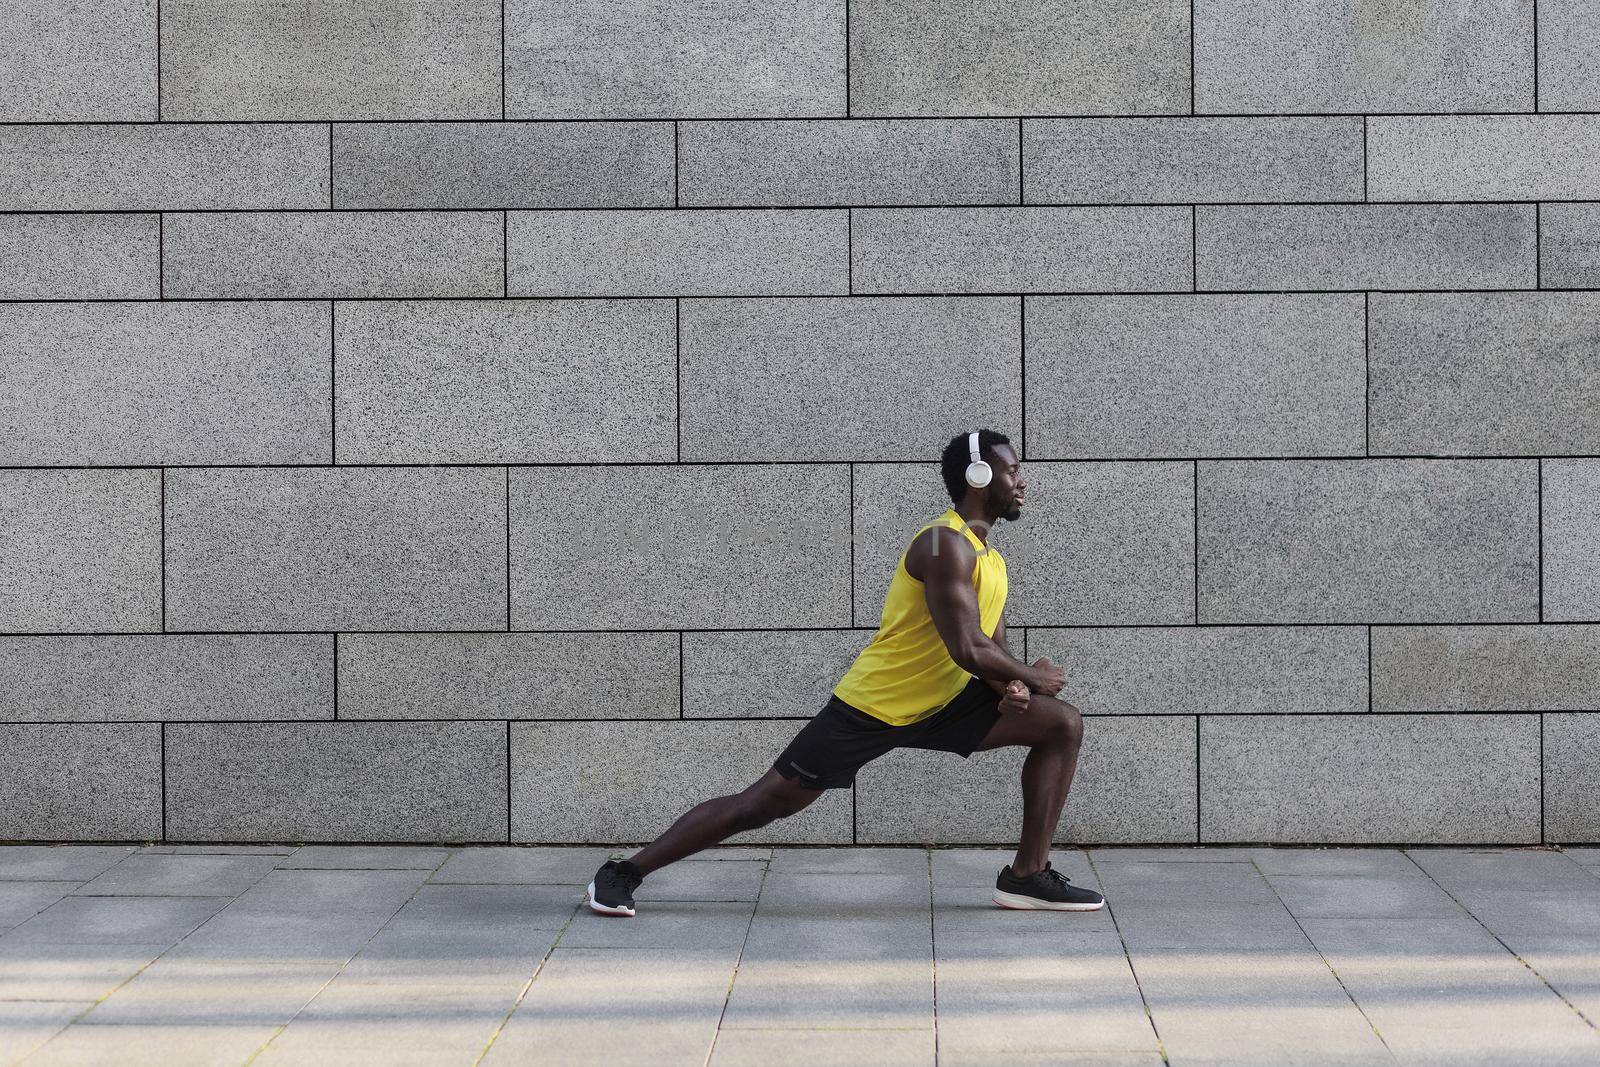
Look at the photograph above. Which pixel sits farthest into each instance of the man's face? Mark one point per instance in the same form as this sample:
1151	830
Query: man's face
1007	486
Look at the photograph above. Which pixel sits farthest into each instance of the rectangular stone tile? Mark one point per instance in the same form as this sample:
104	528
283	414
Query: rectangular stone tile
1569	237
1134	782
859	163
466	909
1142	854
1114	160
65	781
1365	246
651	550
1568	39
1586	857
1369	778
825	1048
224	995
1482	877
1187	670
59	863
26	1025
701	59
306	917
364	1018
411	59
21	901
164	167
694	879
1486	668
264	255
627	782
167	677
79	257
1283	373
366	857
1278	1004
116	920
503	164
1483	157
88	62
675	1000
1571	763
1407	894
699	925
992	1009
336	549
138	1045
69	972
449	381
509	676
755	372
1021	249
678	253
522	865
937	57
841	953
133	368
1483	373
1139	883
1267	56
907	862
157	875
475	956
80	550
738	674
428	781
1125	556
1569	521
1353	540
1442	1006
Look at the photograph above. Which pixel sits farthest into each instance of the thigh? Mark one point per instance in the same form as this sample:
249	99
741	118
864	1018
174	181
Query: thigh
1044	720
829	749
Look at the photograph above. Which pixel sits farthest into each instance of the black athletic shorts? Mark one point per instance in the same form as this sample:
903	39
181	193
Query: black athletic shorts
829	749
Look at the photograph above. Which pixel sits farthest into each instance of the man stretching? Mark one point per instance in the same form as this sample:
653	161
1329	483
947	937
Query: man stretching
937	675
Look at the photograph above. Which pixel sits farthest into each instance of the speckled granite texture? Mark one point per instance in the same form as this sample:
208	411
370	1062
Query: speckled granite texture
499	420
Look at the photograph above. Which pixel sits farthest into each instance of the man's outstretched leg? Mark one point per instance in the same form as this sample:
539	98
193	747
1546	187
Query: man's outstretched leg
772	796
1053	731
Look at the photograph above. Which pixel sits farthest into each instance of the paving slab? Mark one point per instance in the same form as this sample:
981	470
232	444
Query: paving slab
361	954
52	970
21	901
366	857
59	862
27	1024
669	1016
824	1048
156	1045
188	992
523	865
156	874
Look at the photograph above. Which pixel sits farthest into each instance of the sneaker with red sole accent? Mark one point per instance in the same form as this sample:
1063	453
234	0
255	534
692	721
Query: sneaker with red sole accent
611	892
1044	890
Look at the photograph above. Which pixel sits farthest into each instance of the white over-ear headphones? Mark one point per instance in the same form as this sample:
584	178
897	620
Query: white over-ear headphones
978	472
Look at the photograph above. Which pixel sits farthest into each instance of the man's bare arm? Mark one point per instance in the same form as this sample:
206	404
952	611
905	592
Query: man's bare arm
953	604
999	638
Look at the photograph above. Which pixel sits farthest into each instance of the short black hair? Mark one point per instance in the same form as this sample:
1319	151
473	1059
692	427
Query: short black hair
953	464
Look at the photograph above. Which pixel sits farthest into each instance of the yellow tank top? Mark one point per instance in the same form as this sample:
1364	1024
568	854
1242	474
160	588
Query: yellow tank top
905	673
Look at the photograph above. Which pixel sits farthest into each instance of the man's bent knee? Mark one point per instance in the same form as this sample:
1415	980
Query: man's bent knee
1063	722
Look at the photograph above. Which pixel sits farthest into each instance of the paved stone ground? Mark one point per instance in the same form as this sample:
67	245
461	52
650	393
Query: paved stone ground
224	954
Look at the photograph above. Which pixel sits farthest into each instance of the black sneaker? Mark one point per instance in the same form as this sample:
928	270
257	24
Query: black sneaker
1046	889
611	892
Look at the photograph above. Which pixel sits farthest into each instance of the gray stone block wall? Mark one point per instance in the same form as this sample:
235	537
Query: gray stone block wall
498	420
